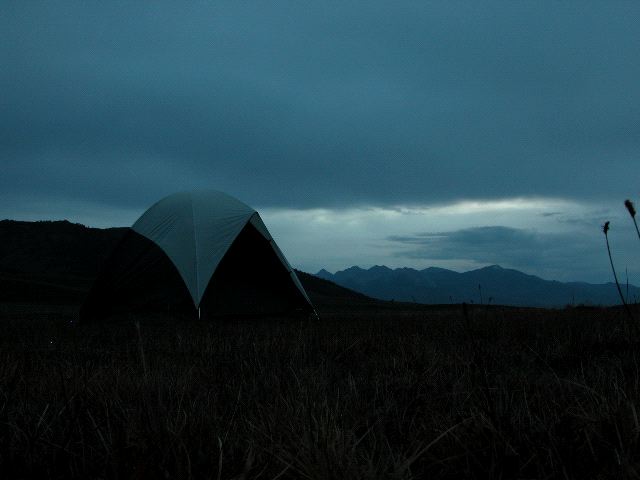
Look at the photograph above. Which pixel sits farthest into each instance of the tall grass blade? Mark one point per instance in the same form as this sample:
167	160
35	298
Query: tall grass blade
605	230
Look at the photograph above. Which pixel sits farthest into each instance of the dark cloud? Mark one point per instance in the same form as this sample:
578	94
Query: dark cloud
319	105
565	256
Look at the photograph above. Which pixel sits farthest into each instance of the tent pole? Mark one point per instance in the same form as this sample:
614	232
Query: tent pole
199	313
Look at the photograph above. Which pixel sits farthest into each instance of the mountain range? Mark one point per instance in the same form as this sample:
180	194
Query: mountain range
493	284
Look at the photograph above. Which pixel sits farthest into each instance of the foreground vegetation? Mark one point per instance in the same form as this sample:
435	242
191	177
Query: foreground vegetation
371	393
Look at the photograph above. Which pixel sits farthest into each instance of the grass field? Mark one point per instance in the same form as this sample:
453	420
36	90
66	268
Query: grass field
398	392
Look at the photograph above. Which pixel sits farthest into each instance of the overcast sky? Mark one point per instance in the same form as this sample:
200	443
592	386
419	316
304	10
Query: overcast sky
455	134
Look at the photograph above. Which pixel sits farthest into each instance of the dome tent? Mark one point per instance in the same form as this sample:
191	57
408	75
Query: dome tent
197	251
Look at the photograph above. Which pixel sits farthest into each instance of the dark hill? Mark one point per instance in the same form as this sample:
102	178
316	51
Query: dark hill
56	248
328	293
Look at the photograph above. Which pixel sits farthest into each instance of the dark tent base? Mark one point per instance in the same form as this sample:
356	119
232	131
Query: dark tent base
140	278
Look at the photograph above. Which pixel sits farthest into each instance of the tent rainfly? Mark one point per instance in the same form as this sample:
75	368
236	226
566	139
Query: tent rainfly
201	252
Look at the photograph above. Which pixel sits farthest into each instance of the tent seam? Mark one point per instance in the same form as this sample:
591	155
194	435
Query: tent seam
227	251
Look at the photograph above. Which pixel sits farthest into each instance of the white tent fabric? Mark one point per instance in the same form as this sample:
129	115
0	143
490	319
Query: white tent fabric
196	229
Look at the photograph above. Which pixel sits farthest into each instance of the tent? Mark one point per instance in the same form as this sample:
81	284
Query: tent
203	253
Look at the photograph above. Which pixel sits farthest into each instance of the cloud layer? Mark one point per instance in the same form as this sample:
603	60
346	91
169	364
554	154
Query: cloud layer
345	104
547	254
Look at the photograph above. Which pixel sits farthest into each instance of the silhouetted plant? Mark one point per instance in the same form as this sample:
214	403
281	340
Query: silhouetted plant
605	230
632	211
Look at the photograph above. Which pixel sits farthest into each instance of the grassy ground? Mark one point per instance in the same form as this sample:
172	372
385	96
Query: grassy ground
369	393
